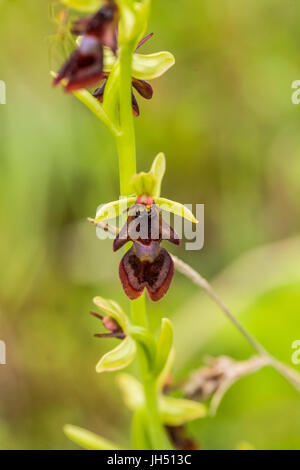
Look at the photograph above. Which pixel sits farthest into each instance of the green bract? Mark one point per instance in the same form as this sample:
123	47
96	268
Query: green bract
164	345
87	439
173	411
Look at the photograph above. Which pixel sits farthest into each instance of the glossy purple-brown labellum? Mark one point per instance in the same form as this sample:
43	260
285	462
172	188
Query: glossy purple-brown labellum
146	265
138	272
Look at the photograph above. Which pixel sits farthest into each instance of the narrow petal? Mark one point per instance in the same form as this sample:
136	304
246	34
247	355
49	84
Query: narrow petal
135	106
122	238
177	411
145	39
99	92
147	67
168	233
143	88
118	358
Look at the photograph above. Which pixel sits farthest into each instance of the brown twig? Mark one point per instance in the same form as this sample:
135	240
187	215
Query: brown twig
104	226
290	374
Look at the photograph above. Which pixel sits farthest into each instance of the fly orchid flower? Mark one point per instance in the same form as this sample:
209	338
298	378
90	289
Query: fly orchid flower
117	323
146	265
141	86
85	66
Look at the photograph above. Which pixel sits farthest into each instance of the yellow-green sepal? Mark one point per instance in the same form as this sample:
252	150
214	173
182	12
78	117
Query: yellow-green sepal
158	170
175	208
150	66
87	439
119	357
113	209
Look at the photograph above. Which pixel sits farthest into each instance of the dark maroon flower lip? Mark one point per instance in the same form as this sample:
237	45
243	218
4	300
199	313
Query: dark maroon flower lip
84	68
146	265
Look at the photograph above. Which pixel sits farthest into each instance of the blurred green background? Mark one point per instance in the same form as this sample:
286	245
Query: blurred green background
224	118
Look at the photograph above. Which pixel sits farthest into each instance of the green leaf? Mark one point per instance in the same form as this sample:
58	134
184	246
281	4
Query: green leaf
175	208
177	411
87	439
158	169
147	67
113	209
164	346
174	411
143	183
112	309
132	391
118	358
88	6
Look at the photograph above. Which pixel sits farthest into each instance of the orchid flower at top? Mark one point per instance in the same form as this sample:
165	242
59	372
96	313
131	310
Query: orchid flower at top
96	58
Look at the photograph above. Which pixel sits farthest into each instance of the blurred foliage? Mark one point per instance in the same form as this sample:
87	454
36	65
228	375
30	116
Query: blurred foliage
224	118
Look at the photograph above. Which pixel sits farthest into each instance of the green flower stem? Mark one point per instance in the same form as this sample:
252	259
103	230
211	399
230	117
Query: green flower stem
126	139
127	167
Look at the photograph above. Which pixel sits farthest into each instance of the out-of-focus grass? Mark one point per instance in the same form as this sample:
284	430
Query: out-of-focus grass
224	118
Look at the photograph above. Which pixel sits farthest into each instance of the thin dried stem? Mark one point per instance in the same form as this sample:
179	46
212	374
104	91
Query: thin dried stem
290	374
235	371
104	226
